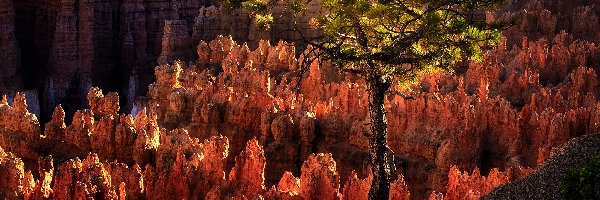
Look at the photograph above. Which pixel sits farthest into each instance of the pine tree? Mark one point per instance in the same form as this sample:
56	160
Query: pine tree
389	41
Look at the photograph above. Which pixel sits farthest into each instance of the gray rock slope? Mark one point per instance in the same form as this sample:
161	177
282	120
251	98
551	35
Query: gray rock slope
545	182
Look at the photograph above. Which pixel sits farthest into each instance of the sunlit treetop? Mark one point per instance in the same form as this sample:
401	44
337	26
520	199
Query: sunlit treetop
392	39
385	41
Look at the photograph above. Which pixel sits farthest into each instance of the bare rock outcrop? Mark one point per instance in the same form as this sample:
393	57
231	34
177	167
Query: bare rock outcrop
10	80
176	42
545	183
84	179
193	103
248	172
16	120
16	182
319	178
533	92
465	186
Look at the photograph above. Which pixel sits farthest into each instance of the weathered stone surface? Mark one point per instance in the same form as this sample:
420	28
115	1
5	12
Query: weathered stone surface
16	182
68	46
399	189
356	188
88	179
189	104
538	89
319	180
17	121
176	42
248	172
10	79
103	106
474	186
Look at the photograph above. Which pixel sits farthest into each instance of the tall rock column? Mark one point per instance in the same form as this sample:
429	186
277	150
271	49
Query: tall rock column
307	135
71	57
176	42
10	62
134	57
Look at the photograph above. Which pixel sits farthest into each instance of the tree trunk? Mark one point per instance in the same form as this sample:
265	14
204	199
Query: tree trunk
380	187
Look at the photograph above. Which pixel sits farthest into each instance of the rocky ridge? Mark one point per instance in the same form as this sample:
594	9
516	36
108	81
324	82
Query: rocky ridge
545	182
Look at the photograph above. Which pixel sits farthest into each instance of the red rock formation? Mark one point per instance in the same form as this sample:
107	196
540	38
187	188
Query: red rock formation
185	168
10	80
285	125
72	46
73	43
16	182
103	106
319	180
78	133
212	22
42	187
248	172
507	112
399	189
465	186
356	188
289	184
17	121
176	42
84	179
55	128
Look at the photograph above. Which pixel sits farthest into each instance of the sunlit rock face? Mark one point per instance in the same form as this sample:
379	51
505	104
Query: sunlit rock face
237	121
185	167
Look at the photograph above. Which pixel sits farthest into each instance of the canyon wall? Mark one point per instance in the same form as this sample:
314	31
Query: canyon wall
62	48
499	118
10	81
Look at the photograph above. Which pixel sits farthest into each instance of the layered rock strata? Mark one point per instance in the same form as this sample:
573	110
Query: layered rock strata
69	45
10	80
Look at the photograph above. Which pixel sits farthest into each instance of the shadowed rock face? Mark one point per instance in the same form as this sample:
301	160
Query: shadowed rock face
63	48
10	79
527	96
69	45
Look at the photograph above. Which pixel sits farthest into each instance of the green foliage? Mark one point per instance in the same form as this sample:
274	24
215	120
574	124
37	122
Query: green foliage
258	6
230	5
583	183
263	21
387	41
297	6
394	40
